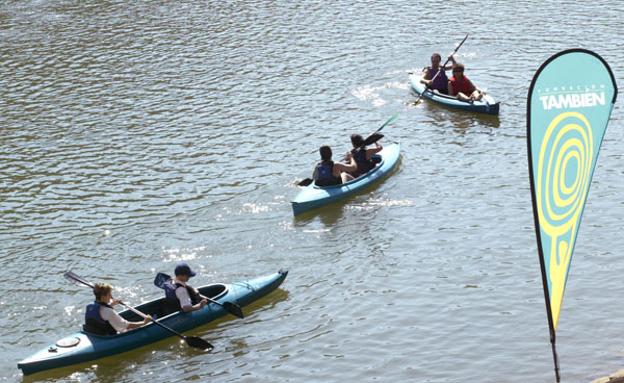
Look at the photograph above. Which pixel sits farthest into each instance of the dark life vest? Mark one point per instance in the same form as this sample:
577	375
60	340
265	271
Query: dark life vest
94	323
172	303
363	165
440	83
324	174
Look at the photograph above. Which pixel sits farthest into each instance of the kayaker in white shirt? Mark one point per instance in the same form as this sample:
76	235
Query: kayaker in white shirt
179	295
101	318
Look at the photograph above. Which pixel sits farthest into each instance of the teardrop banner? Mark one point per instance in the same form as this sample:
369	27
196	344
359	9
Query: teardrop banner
568	108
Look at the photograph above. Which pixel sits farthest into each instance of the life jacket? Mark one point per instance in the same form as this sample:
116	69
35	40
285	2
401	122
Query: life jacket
172	303
363	165
440	83
94	323
462	85
323	174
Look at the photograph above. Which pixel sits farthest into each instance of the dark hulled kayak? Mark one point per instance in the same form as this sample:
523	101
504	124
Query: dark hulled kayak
486	105
81	347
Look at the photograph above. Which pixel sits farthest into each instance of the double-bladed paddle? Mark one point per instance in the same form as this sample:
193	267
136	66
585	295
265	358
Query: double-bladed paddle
371	139
230	307
441	69
192	341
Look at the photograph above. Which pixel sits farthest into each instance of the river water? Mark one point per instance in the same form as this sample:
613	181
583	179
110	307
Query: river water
138	134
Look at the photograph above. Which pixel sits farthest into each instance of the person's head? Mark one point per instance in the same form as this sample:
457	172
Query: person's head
435	59
357	140
103	292
183	272
458	70
326	153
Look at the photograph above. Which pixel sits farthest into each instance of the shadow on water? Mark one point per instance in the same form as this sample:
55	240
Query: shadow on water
114	368
460	119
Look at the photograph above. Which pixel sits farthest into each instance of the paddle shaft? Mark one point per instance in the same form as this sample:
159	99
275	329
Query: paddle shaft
441	69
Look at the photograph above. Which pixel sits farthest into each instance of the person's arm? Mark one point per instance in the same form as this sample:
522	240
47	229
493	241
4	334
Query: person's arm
424	79
472	87
453	62
132	325
339	167
451	92
372	151
185	301
118	322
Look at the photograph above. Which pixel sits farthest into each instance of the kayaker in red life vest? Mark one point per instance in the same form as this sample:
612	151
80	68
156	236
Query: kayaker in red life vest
102	319
440	82
328	172
179	295
363	156
461	87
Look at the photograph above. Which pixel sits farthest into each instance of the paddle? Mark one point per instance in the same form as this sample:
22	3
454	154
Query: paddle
192	341
230	307
371	139
436	75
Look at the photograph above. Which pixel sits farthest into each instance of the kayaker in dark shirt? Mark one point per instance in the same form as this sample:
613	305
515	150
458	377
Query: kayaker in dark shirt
102	319
461	87
328	172
362	156
181	296
439	82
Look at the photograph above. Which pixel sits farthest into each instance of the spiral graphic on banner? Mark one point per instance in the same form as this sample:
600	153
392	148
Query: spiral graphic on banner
564	170
564	174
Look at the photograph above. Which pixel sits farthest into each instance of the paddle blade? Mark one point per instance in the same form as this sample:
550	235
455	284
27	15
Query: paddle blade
388	122
305	182
160	280
70	276
199	343
373	138
233	309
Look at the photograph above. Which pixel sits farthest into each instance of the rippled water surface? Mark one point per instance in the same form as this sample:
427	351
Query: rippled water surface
138	134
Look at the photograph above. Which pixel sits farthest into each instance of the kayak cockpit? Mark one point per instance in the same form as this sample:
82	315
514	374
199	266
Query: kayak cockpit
157	308
379	162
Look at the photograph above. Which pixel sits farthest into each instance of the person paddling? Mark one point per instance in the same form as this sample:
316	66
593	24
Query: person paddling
328	172
102	319
434	76
363	157
179	295
461	87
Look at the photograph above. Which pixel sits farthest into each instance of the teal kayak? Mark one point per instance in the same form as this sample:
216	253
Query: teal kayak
313	196
82	347
486	105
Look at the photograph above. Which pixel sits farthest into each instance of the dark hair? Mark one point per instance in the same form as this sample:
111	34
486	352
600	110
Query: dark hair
326	153
436	55
357	140
101	289
459	67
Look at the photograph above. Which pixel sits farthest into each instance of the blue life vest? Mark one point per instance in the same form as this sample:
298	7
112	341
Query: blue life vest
93	320
172	303
363	165
323	174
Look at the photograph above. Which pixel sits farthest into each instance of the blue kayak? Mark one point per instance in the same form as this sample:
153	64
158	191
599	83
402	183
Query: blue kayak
313	196
486	105
82	347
